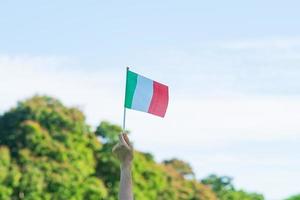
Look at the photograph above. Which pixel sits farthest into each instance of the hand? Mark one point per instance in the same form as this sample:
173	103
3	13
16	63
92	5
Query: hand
123	150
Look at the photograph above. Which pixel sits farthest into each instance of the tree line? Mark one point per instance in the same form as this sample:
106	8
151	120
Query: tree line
49	152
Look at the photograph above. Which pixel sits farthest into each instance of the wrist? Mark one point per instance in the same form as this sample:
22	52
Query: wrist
126	165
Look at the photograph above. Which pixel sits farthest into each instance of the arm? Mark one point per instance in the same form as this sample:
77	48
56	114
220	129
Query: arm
124	152
126	183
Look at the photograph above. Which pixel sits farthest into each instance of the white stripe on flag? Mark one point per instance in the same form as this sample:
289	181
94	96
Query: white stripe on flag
143	94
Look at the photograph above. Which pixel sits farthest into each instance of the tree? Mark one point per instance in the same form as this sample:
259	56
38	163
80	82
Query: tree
295	197
225	190
108	132
49	153
218	184
181	167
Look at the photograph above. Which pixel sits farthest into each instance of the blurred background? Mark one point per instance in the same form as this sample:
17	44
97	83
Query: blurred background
232	67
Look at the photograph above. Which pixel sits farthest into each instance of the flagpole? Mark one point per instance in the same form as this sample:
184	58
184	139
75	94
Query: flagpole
124	113
124	116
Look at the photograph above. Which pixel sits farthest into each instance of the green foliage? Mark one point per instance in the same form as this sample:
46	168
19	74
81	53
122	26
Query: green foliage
225	190
295	197
181	167
180	188
109	132
9	174
218	184
49	153
241	195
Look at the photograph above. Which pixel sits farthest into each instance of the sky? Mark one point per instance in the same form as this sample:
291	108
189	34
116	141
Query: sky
232	67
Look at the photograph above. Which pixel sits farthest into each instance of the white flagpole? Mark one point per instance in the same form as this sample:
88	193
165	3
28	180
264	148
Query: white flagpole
124	114
124	117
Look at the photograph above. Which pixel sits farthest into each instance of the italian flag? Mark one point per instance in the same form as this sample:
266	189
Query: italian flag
146	95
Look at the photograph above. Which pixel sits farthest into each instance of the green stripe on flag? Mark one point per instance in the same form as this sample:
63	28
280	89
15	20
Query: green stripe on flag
131	81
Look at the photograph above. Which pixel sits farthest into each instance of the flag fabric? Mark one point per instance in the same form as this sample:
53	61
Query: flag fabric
146	95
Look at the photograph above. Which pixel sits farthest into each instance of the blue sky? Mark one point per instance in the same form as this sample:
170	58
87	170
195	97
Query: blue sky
233	69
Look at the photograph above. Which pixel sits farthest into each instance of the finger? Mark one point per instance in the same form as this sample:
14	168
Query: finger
127	141
123	142
118	147
126	138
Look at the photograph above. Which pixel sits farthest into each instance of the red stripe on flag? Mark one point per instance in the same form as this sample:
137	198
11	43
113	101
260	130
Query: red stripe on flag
160	99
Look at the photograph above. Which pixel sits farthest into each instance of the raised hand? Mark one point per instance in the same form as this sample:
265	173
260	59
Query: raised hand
123	150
